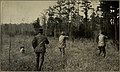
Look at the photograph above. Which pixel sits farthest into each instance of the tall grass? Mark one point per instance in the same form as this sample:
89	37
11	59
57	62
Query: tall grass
80	56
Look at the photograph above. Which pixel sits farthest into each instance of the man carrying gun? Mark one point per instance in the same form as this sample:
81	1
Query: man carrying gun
38	44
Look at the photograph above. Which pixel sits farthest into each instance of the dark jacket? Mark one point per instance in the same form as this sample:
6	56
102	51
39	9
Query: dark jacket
39	42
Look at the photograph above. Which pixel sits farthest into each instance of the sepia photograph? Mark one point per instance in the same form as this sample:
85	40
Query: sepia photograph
59	35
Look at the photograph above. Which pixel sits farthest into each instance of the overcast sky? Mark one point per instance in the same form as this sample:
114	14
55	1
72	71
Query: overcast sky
26	11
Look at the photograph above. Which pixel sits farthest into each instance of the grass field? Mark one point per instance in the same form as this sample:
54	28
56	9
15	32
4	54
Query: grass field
80	56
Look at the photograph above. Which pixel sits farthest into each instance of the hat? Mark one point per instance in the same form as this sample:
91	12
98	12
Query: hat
103	32
62	33
40	30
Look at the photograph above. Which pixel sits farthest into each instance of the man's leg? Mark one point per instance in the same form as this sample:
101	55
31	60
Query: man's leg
63	51
104	51
37	60
60	50
72	39
100	51
42	60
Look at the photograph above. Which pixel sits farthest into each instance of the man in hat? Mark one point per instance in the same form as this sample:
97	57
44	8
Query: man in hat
62	43
38	44
101	42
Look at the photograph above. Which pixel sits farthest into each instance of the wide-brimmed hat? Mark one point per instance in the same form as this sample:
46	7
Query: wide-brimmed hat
62	33
103	32
40	30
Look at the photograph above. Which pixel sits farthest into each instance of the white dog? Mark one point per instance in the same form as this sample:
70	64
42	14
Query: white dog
22	49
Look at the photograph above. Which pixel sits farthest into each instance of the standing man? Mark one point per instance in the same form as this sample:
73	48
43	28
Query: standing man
62	43
38	44
101	42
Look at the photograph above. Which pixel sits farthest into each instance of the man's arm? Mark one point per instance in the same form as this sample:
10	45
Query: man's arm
106	37
46	41
97	38
34	43
66	37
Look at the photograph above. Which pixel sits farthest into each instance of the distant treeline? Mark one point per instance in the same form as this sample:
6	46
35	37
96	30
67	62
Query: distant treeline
18	29
28	29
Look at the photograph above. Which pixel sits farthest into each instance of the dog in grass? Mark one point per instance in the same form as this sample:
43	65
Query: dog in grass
22	49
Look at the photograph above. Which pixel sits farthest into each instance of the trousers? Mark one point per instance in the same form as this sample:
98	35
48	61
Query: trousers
39	60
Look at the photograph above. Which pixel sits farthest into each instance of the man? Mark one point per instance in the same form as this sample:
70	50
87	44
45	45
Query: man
38	44
62	43
101	42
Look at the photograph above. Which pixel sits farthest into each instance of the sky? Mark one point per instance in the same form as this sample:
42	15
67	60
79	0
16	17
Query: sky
26	11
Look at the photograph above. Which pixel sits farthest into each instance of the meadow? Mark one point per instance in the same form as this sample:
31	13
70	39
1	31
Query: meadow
80	56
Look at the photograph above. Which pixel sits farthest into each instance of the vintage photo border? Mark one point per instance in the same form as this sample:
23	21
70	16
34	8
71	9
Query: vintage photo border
44	0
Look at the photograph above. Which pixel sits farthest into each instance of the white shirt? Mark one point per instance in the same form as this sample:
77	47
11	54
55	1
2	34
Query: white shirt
62	41
101	40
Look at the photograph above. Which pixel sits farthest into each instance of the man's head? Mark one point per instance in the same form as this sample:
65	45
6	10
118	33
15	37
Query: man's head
102	32
62	33
40	30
